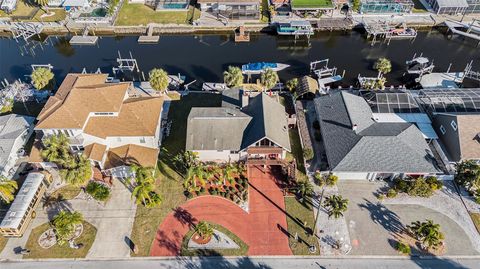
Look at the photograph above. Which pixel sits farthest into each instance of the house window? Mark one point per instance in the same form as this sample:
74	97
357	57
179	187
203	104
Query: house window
442	129
233	152
454	125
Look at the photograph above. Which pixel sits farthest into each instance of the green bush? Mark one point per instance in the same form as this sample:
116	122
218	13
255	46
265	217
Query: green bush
403	248
188	194
391	193
476	196
400	185
98	191
381	197
318	179
419	187
202	190
331	180
308	154
434	183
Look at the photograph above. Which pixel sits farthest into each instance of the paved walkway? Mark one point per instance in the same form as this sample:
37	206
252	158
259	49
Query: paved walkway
260	229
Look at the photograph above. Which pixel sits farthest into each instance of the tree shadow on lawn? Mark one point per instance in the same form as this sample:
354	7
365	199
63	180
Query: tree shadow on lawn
209	259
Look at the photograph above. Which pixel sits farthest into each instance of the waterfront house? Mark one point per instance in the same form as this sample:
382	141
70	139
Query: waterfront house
248	125
232	9
19	214
448	6
15	131
455	115
386	6
356	146
110	123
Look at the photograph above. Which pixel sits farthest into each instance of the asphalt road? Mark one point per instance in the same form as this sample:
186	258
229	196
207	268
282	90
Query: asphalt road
252	263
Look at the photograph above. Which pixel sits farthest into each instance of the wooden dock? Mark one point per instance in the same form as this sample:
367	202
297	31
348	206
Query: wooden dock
84	40
241	35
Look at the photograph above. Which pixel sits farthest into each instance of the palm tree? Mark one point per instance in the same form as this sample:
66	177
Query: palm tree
41	77
78	171
51	200
292	84
185	160
233	77
428	232
468	175
194	174
269	79
57	148
142	191
64	224
204	229
158	79
383	66
304	189
335	205
7	189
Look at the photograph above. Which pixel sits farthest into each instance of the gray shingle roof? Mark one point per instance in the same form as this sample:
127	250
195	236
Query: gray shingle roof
231	127
373	147
11	127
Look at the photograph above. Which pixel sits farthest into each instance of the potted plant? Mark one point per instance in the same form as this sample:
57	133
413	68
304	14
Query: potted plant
203	233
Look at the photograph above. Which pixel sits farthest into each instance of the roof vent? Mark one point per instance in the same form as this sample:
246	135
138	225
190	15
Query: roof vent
354	127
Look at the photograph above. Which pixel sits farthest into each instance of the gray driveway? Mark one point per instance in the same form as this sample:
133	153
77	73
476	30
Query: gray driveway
372	225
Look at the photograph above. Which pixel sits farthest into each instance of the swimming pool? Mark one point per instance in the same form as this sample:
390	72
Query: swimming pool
174	6
98	12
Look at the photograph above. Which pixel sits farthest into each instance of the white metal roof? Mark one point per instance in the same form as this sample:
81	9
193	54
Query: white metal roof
452	3
22	201
11	127
421	120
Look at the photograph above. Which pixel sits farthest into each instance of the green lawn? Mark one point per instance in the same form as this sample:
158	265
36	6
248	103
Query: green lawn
312	4
140	14
299	214
37	252
68	192
3	242
169	183
476	220
59	15
242	251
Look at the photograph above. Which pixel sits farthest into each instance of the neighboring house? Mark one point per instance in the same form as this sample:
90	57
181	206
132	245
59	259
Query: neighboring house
449	6
358	147
386	6
111	123
15	130
8	6
232	9
70	4
19	214
455	115
248	125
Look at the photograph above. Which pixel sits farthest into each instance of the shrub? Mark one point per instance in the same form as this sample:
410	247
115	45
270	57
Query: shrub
231	188
244	183
381	197
476	196
98	191
331	180
204	229
391	193
202	190
434	183
316	125
419	187
401	185
403	248
308	154
244	196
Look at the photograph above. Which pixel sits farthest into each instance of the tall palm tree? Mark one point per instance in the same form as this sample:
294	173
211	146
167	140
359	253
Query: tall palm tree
158	79
335	205
78	171
428	232
64	224
7	189
41	77
142	191
383	66
57	149
304	189
269	79
233	77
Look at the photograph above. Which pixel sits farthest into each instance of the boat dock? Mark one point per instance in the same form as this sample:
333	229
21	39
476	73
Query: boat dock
84	39
383	30
470	30
149	38
241	35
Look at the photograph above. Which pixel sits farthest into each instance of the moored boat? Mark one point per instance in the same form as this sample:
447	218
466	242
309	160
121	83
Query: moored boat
258	68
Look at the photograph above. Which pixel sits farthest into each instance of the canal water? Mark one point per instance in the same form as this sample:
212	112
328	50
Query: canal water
204	57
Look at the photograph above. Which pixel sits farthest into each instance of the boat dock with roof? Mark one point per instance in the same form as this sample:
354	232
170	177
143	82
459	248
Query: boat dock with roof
470	30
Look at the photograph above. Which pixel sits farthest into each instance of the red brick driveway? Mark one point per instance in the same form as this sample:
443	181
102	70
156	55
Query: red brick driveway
261	228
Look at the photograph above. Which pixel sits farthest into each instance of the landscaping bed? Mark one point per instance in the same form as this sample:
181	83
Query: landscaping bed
64	251
242	251
298	215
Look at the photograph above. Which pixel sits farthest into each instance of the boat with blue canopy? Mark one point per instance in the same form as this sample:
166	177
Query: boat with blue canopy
258	68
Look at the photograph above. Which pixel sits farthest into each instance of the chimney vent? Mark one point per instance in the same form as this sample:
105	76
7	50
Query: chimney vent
354	127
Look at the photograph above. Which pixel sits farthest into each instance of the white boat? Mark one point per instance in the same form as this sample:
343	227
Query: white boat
419	65
214	87
400	33
294	28
258	68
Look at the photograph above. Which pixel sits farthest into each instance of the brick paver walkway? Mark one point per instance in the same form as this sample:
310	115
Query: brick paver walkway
261	228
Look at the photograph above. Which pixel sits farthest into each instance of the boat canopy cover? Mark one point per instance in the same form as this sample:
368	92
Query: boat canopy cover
421	60
300	23
259	66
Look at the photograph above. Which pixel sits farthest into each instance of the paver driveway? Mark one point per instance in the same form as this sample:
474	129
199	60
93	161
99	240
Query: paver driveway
261	228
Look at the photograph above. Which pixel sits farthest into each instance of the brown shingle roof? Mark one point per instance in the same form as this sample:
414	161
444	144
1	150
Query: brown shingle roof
79	95
137	117
95	151
468	133
131	154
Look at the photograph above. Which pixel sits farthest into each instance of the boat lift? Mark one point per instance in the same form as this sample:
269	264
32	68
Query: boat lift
470	30
325	75
126	64
383	30
25	30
